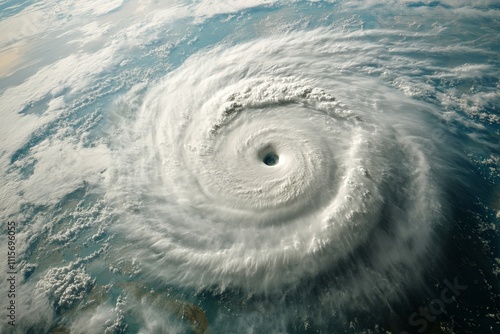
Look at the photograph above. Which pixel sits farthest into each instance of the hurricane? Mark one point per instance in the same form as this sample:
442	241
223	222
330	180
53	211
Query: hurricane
261	176
251	167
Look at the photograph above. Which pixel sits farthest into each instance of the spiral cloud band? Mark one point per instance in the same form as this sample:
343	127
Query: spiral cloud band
261	169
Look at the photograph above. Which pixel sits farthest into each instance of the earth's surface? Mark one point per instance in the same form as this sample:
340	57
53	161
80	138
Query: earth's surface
251	166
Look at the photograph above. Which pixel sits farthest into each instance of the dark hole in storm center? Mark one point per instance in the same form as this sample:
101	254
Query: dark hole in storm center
270	159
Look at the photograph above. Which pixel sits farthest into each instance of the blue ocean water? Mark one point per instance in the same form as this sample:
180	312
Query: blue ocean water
134	146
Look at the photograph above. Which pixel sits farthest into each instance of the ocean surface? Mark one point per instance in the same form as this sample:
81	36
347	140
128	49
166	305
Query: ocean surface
255	166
